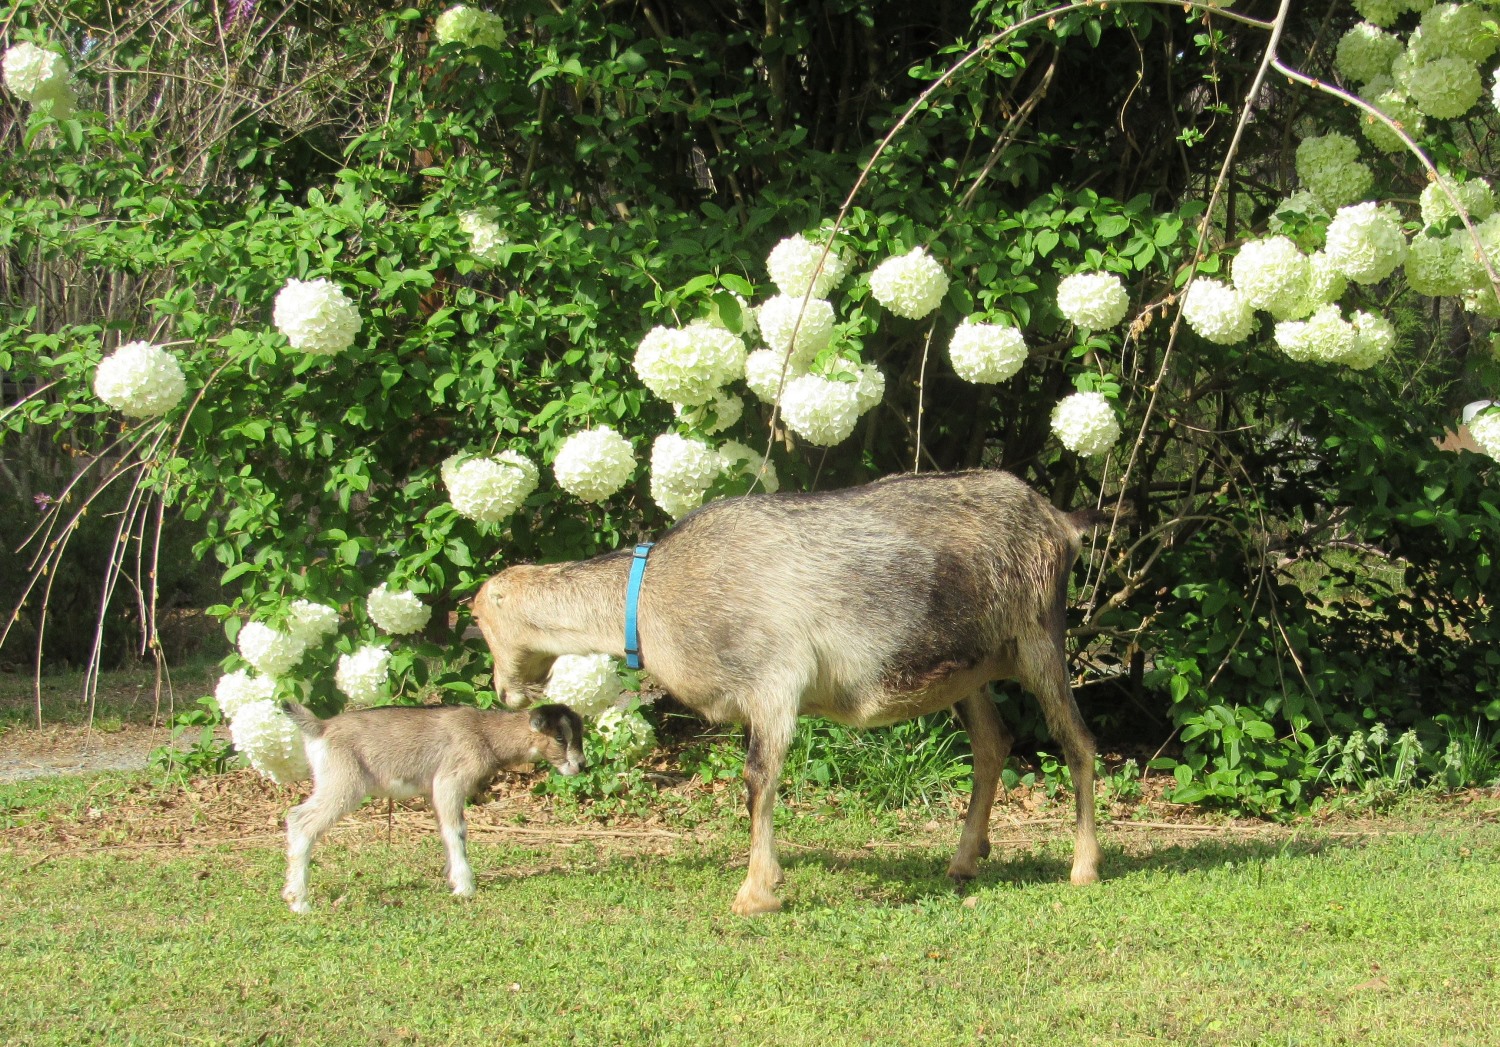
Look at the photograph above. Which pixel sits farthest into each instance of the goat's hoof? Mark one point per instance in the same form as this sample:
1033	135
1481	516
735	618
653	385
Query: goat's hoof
298	905
750	902
1081	877
464	891
961	875
984	848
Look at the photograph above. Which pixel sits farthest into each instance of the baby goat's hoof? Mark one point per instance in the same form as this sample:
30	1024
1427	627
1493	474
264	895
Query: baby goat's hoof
753	902
298	905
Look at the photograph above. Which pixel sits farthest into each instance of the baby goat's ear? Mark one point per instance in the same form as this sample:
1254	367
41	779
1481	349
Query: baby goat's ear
538	721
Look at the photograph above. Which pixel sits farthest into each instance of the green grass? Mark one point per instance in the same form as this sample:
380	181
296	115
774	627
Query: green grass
125	695
1302	937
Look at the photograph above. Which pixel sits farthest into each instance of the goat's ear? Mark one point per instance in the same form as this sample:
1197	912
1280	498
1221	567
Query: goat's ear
538	721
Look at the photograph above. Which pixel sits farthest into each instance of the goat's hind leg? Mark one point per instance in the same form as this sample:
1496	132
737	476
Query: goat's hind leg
990	742
306	824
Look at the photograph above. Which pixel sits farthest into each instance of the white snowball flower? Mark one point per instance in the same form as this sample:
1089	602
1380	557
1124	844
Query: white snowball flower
33	73
1365	52
820	410
362	675
1093	301
1441	266
741	460
1475	194
271	651
586	683
1396	105
1325	282
688	366
489	490
986	352
316	316
140	380
681	471
1329	167
1454	31
397	612
1217	312
1086	424
1495	90
628	731
1326	337
1365	242
1485	429
594	464
763	373
1443	88
910	285
238	689
1271	274
718	414
796	262
1381	12
813	324
1374	338
266	737
469	27
869	388
311	623
485	237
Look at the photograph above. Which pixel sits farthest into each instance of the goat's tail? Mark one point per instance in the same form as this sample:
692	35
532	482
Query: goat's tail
307	723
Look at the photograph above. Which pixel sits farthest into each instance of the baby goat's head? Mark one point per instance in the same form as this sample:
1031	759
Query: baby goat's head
557	737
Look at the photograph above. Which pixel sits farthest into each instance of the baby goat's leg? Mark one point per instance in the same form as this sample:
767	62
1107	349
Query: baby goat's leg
448	796
305	826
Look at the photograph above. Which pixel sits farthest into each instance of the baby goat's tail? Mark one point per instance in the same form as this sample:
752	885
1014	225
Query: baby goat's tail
307	723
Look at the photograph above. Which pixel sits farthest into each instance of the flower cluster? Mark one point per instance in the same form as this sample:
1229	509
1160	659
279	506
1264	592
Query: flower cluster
267	738
910	285
397	613
140	380
1365	242
821	410
37	75
594	464
627	732
485	237
797	262
1217	311
588	684
869	387
1396	105
1441	266
469	27
1093	301
1382	12
688	366
311	623
1455	31
1365	52
681	471
812	322
1272	274
489	489
362	675
986	352
1476	196
1329	167
1326	337
1444	88
1485	429
238	689
719	414
741	460
270	651
1086	424
316	316
763	373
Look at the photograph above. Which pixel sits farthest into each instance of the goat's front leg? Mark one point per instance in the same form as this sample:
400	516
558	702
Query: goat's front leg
448	798
990	742
764	757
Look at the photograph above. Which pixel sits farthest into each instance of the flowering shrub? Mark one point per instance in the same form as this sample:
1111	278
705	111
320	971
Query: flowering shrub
38	75
488	490
821	410
682	471
363	674
270	651
397	612
1217	311
790	325
797	263
469	27
266	737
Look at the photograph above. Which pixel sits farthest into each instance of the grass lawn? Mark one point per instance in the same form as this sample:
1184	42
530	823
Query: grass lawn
141	914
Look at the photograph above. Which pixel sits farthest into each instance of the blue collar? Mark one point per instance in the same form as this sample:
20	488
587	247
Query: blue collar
632	597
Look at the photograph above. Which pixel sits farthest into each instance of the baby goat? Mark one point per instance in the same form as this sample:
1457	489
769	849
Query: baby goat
445	753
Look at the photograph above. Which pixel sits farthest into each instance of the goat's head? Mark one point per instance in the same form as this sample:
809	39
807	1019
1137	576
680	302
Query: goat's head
557	738
520	668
